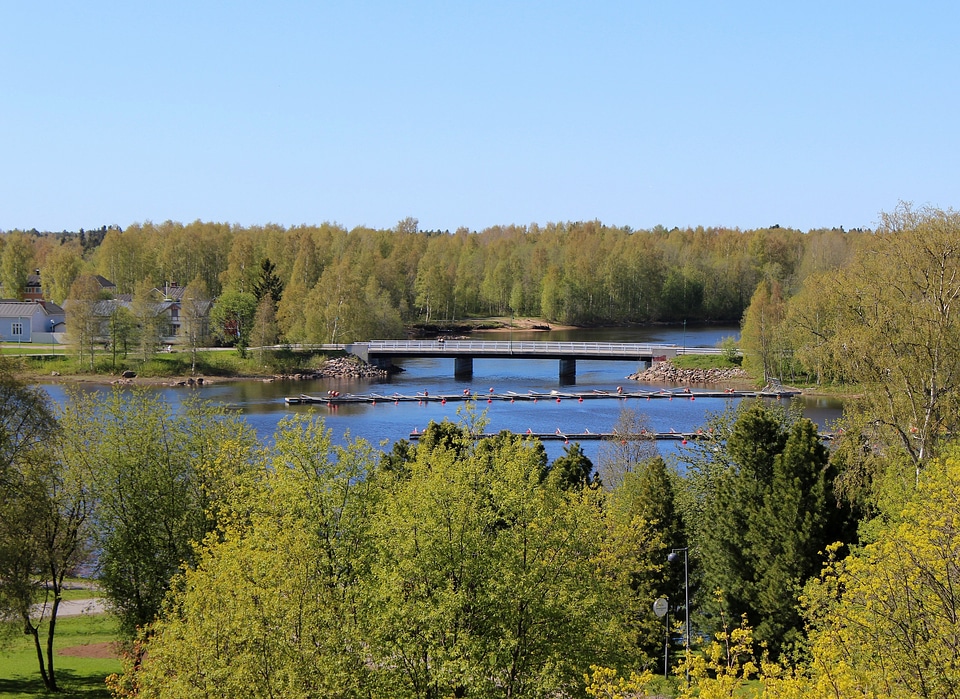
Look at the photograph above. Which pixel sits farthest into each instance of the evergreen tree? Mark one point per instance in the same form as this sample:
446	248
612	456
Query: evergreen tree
573	470
268	283
769	514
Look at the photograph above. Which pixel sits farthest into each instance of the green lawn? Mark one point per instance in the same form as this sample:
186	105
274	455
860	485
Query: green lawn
77	677
14	349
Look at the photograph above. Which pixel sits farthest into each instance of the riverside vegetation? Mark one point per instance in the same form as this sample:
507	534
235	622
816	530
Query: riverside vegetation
456	567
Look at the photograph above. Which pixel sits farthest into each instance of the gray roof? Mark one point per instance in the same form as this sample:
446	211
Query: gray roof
22	309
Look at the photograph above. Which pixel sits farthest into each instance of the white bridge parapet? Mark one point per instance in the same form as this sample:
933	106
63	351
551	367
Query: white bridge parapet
465	351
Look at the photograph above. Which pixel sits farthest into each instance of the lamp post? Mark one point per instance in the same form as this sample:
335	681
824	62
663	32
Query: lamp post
674	555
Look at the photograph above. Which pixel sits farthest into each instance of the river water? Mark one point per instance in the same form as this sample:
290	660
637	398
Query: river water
262	403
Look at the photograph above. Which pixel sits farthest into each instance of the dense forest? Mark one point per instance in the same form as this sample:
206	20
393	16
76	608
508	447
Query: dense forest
341	286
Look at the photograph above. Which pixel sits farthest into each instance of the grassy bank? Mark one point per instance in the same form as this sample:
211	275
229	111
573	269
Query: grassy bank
81	642
208	363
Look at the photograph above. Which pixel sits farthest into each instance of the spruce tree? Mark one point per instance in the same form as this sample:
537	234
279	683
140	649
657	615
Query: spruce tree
767	520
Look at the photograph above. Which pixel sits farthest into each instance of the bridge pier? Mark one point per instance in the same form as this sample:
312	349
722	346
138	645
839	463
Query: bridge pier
385	363
463	367
568	369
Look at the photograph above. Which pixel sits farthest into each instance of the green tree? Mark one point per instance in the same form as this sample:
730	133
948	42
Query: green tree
484	577
122	325
336	310
896	333
264	332
631	446
886	619
766	510
44	513
268	283
643	511
151	329
195	318
15	265
306	272
159	479
232	318
61	267
83	322
274	606
572	470
760	338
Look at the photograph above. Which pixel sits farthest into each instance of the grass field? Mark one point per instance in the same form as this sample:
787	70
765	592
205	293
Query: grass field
77	676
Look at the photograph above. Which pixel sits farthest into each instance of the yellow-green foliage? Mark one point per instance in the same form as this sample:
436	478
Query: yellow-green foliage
887	619
604	683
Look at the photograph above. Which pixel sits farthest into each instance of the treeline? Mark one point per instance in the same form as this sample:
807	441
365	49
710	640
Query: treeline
342	285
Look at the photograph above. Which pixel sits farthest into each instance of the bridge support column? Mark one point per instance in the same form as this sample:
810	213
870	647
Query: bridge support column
385	363
568	369
463	367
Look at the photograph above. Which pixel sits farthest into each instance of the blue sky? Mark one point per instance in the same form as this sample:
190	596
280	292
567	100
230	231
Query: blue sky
739	114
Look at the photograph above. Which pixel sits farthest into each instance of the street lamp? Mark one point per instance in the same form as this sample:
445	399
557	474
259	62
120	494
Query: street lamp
674	555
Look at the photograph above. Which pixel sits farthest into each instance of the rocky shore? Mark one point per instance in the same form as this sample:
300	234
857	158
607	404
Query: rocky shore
665	372
338	368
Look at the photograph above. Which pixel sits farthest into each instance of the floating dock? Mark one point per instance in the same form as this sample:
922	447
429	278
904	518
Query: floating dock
336	398
682	437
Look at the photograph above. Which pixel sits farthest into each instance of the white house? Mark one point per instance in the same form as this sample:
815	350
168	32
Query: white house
30	321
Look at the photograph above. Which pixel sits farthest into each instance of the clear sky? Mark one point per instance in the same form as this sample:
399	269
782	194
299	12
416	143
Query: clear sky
636	113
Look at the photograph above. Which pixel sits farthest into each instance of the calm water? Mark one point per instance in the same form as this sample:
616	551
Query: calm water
386	422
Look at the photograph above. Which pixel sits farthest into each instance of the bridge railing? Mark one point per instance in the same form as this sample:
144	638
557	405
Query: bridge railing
481	347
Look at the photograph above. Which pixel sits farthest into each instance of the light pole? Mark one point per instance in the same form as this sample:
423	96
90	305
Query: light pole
686	602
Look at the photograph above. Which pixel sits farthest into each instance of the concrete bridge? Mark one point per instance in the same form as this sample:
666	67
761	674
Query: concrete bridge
382	352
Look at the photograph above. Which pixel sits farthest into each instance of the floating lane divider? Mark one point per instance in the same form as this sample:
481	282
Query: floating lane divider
682	437
337	398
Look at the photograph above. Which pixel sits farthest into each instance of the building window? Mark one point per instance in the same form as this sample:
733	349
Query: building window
17	329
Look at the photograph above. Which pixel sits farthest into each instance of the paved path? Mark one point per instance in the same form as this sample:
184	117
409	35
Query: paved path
76	607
